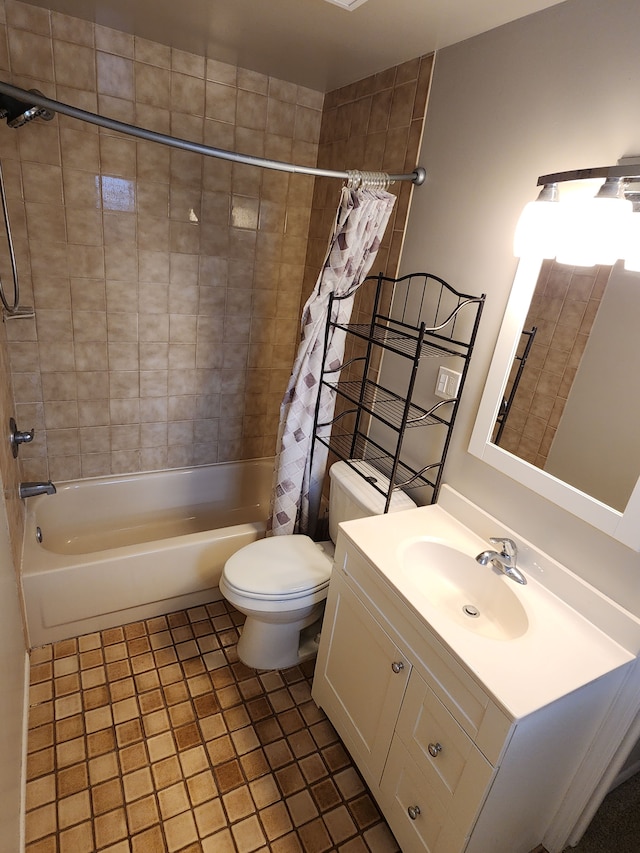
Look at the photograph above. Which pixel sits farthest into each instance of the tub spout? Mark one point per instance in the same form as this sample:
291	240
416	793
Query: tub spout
30	490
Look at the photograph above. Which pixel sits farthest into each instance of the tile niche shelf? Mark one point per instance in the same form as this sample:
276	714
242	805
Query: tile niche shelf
428	320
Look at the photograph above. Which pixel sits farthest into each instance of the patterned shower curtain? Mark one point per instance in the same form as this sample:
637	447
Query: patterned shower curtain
359	227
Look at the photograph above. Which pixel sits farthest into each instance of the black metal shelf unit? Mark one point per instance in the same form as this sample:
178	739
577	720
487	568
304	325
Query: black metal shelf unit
443	324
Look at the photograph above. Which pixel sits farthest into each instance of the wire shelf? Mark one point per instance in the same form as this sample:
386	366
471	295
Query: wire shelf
388	407
406	478
400	341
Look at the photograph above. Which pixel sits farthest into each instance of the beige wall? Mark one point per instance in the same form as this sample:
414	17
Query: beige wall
547	93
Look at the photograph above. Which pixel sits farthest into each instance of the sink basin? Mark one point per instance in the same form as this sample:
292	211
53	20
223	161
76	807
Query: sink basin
453	585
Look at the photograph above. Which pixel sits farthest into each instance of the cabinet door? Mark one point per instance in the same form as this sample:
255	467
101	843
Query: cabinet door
360	679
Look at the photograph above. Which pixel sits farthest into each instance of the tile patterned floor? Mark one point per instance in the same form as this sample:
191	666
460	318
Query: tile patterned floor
154	738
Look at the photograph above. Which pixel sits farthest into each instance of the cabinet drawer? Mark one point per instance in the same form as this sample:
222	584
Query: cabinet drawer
445	755
418	818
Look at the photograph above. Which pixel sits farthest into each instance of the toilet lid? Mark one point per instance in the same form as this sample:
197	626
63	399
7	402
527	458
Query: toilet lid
279	567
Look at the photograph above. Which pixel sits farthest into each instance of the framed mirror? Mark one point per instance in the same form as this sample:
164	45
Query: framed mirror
570	433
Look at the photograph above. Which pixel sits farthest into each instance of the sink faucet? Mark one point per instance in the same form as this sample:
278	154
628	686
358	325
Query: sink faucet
504	560
30	490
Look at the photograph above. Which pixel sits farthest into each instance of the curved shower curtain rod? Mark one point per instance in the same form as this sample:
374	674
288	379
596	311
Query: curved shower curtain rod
417	177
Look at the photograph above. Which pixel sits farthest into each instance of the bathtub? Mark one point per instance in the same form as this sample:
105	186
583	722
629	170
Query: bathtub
110	550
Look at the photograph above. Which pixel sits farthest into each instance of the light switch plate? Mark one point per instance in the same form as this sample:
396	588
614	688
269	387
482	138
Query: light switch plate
447	383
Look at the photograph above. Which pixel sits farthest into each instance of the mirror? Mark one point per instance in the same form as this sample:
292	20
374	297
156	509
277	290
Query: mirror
573	442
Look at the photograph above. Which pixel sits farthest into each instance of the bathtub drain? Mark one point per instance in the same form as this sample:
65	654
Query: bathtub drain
470	610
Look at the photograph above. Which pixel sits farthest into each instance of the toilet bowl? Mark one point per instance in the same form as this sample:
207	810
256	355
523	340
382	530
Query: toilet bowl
280	583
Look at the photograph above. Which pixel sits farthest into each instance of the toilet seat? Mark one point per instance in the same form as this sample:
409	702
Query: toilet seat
279	568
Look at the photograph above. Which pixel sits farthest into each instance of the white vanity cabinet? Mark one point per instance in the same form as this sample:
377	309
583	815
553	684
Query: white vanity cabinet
450	768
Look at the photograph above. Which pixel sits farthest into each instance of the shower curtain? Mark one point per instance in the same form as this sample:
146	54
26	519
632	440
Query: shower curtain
360	224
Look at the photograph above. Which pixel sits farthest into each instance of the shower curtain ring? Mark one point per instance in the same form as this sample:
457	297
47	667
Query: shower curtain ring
354	180
357	180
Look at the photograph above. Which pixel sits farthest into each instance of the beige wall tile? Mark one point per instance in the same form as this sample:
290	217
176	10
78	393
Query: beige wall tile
114	41
187	94
221	72
115	75
74	62
30	54
152	85
66	28
152	53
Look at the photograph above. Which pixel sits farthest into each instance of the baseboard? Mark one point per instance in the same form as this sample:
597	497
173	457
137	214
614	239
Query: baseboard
625	774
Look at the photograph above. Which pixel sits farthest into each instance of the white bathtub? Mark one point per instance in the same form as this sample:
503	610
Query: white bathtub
123	548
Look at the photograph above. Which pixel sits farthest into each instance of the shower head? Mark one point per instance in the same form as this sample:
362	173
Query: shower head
18	113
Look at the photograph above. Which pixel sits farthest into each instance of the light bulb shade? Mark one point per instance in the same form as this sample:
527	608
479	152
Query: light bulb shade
574	224
537	230
593	231
610	223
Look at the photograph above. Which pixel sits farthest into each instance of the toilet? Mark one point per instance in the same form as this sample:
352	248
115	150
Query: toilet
280	583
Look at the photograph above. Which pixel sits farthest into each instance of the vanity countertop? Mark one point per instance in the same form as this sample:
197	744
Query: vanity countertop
548	649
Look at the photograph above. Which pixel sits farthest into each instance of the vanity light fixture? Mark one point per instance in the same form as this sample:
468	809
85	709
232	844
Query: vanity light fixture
582	230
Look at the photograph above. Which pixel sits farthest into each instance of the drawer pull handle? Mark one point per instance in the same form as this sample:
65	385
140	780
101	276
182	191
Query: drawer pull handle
434	749
397	666
414	811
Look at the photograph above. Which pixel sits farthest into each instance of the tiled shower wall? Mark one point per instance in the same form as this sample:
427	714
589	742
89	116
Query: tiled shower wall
166	285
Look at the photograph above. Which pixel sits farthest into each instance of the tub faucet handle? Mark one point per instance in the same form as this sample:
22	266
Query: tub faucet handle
18	437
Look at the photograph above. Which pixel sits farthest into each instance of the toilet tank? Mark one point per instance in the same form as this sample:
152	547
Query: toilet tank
352	497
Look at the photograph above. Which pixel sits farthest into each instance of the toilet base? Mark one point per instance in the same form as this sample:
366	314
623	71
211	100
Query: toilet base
277	645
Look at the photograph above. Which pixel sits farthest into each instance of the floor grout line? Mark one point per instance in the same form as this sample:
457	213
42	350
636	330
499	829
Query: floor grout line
154	738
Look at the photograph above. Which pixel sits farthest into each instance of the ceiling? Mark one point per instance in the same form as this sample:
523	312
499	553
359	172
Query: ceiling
309	42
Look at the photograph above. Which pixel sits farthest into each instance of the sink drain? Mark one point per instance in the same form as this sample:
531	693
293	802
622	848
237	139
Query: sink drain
470	610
